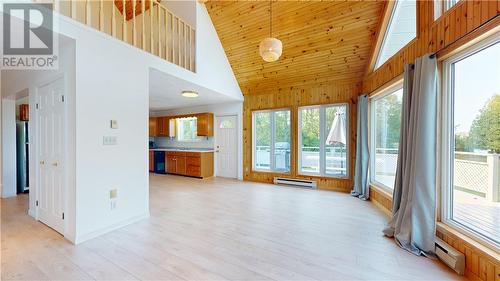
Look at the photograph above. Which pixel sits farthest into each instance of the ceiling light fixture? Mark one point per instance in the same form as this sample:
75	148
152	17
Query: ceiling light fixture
189	94
270	48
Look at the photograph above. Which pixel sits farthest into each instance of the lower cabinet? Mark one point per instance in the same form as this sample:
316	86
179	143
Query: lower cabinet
193	164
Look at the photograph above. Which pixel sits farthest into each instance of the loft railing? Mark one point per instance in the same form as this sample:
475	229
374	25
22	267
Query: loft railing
144	24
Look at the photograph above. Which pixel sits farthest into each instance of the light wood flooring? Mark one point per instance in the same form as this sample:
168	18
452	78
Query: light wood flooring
219	229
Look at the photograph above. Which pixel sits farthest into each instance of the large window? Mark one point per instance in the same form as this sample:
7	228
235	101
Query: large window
271	140
385	128
471	144
323	141
401	30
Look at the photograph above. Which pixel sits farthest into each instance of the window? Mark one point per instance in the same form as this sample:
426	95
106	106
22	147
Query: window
271	140
441	6
385	131
323	141
471	144
187	129
401	30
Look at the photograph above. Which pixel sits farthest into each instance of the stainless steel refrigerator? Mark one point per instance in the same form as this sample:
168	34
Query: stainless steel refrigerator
22	148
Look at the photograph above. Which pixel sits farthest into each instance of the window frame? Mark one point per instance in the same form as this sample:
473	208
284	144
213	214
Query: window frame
386	31
322	135
386	91
271	153
441	6
447	143
178	128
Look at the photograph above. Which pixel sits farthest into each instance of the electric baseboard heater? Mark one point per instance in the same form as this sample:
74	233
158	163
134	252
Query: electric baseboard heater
295	182
451	257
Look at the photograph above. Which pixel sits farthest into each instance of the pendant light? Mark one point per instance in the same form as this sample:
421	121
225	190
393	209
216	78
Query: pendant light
270	48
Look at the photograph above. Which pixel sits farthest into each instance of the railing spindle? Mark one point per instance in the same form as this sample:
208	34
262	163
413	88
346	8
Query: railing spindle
124	22
113	19
88	19
151	26
143	14
159	30
134	30
166	34
101	15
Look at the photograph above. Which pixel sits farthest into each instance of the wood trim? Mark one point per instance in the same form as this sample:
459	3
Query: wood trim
446	32
482	263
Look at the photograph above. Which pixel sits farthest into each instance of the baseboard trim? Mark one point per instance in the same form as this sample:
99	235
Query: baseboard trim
82	238
32	213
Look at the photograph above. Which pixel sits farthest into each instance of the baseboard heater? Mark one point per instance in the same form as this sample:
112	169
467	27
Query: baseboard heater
451	257
295	182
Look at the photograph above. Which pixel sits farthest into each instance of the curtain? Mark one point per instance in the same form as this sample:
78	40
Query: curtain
413	223
361	188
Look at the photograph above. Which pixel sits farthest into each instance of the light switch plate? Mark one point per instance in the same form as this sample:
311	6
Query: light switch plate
109	140
114	124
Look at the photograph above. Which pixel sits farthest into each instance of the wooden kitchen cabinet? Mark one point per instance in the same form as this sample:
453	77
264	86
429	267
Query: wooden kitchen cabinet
205	124
151	161
163	126
192	164
153	126
171	163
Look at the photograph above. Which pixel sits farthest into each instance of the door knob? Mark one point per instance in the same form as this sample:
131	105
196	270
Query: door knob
42	162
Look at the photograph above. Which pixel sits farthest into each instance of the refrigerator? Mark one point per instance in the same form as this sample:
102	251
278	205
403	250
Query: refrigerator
22	156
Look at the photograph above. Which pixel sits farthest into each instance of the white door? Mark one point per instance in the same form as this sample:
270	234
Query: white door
51	146
227	146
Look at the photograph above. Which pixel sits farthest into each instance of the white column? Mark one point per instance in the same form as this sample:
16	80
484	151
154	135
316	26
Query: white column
493	187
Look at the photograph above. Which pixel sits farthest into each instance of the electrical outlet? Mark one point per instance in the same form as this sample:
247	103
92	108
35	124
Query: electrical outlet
109	140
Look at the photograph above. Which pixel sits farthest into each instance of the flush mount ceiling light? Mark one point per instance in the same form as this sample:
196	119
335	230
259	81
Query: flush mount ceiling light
270	48
189	94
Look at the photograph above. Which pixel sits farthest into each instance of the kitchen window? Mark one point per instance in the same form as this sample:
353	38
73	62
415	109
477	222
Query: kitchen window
385	130
271	140
323	140
187	129
471	142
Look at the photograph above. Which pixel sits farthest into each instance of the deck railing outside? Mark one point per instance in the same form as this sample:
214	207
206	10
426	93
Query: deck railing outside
144	24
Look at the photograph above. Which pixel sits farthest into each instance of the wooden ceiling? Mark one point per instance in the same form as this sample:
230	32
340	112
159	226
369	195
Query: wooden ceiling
322	41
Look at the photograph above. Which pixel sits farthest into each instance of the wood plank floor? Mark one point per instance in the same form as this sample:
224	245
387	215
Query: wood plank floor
219	229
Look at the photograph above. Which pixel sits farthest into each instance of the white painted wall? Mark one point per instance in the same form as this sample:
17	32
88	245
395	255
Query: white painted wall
184	9
111	82
235	108
9	147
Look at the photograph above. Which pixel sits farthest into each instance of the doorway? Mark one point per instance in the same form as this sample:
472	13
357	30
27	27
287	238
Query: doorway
227	146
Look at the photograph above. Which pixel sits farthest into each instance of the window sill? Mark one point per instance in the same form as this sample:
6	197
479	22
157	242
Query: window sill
323	176
490	251
272	172
386	192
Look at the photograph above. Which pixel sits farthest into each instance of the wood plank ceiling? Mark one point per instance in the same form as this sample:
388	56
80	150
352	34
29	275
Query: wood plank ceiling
322	41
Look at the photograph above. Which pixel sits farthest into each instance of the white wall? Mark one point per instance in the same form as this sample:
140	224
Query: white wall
9	147
184	9
235	108
111	82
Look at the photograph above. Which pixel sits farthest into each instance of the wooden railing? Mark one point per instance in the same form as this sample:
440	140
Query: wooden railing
145	24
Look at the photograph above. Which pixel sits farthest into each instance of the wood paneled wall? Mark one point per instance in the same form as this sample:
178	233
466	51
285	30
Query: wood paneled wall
481	264
293	98
434	36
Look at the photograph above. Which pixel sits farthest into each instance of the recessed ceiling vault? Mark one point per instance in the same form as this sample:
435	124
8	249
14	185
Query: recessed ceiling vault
322	41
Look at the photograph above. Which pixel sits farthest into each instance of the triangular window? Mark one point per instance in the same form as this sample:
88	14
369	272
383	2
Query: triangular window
402	28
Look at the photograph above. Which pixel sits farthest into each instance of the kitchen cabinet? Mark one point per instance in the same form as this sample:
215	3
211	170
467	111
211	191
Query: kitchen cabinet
205	124
163	126
193	164
153	126
151	161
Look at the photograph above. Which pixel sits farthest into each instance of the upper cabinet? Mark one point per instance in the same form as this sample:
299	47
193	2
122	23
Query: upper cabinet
163	126
205	124
153	126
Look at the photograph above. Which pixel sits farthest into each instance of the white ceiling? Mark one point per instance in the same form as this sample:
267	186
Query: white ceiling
165	93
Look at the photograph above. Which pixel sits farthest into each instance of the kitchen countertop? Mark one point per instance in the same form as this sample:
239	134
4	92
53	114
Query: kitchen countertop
182	149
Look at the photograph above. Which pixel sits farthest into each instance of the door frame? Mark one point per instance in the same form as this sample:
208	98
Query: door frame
238	144
34	134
